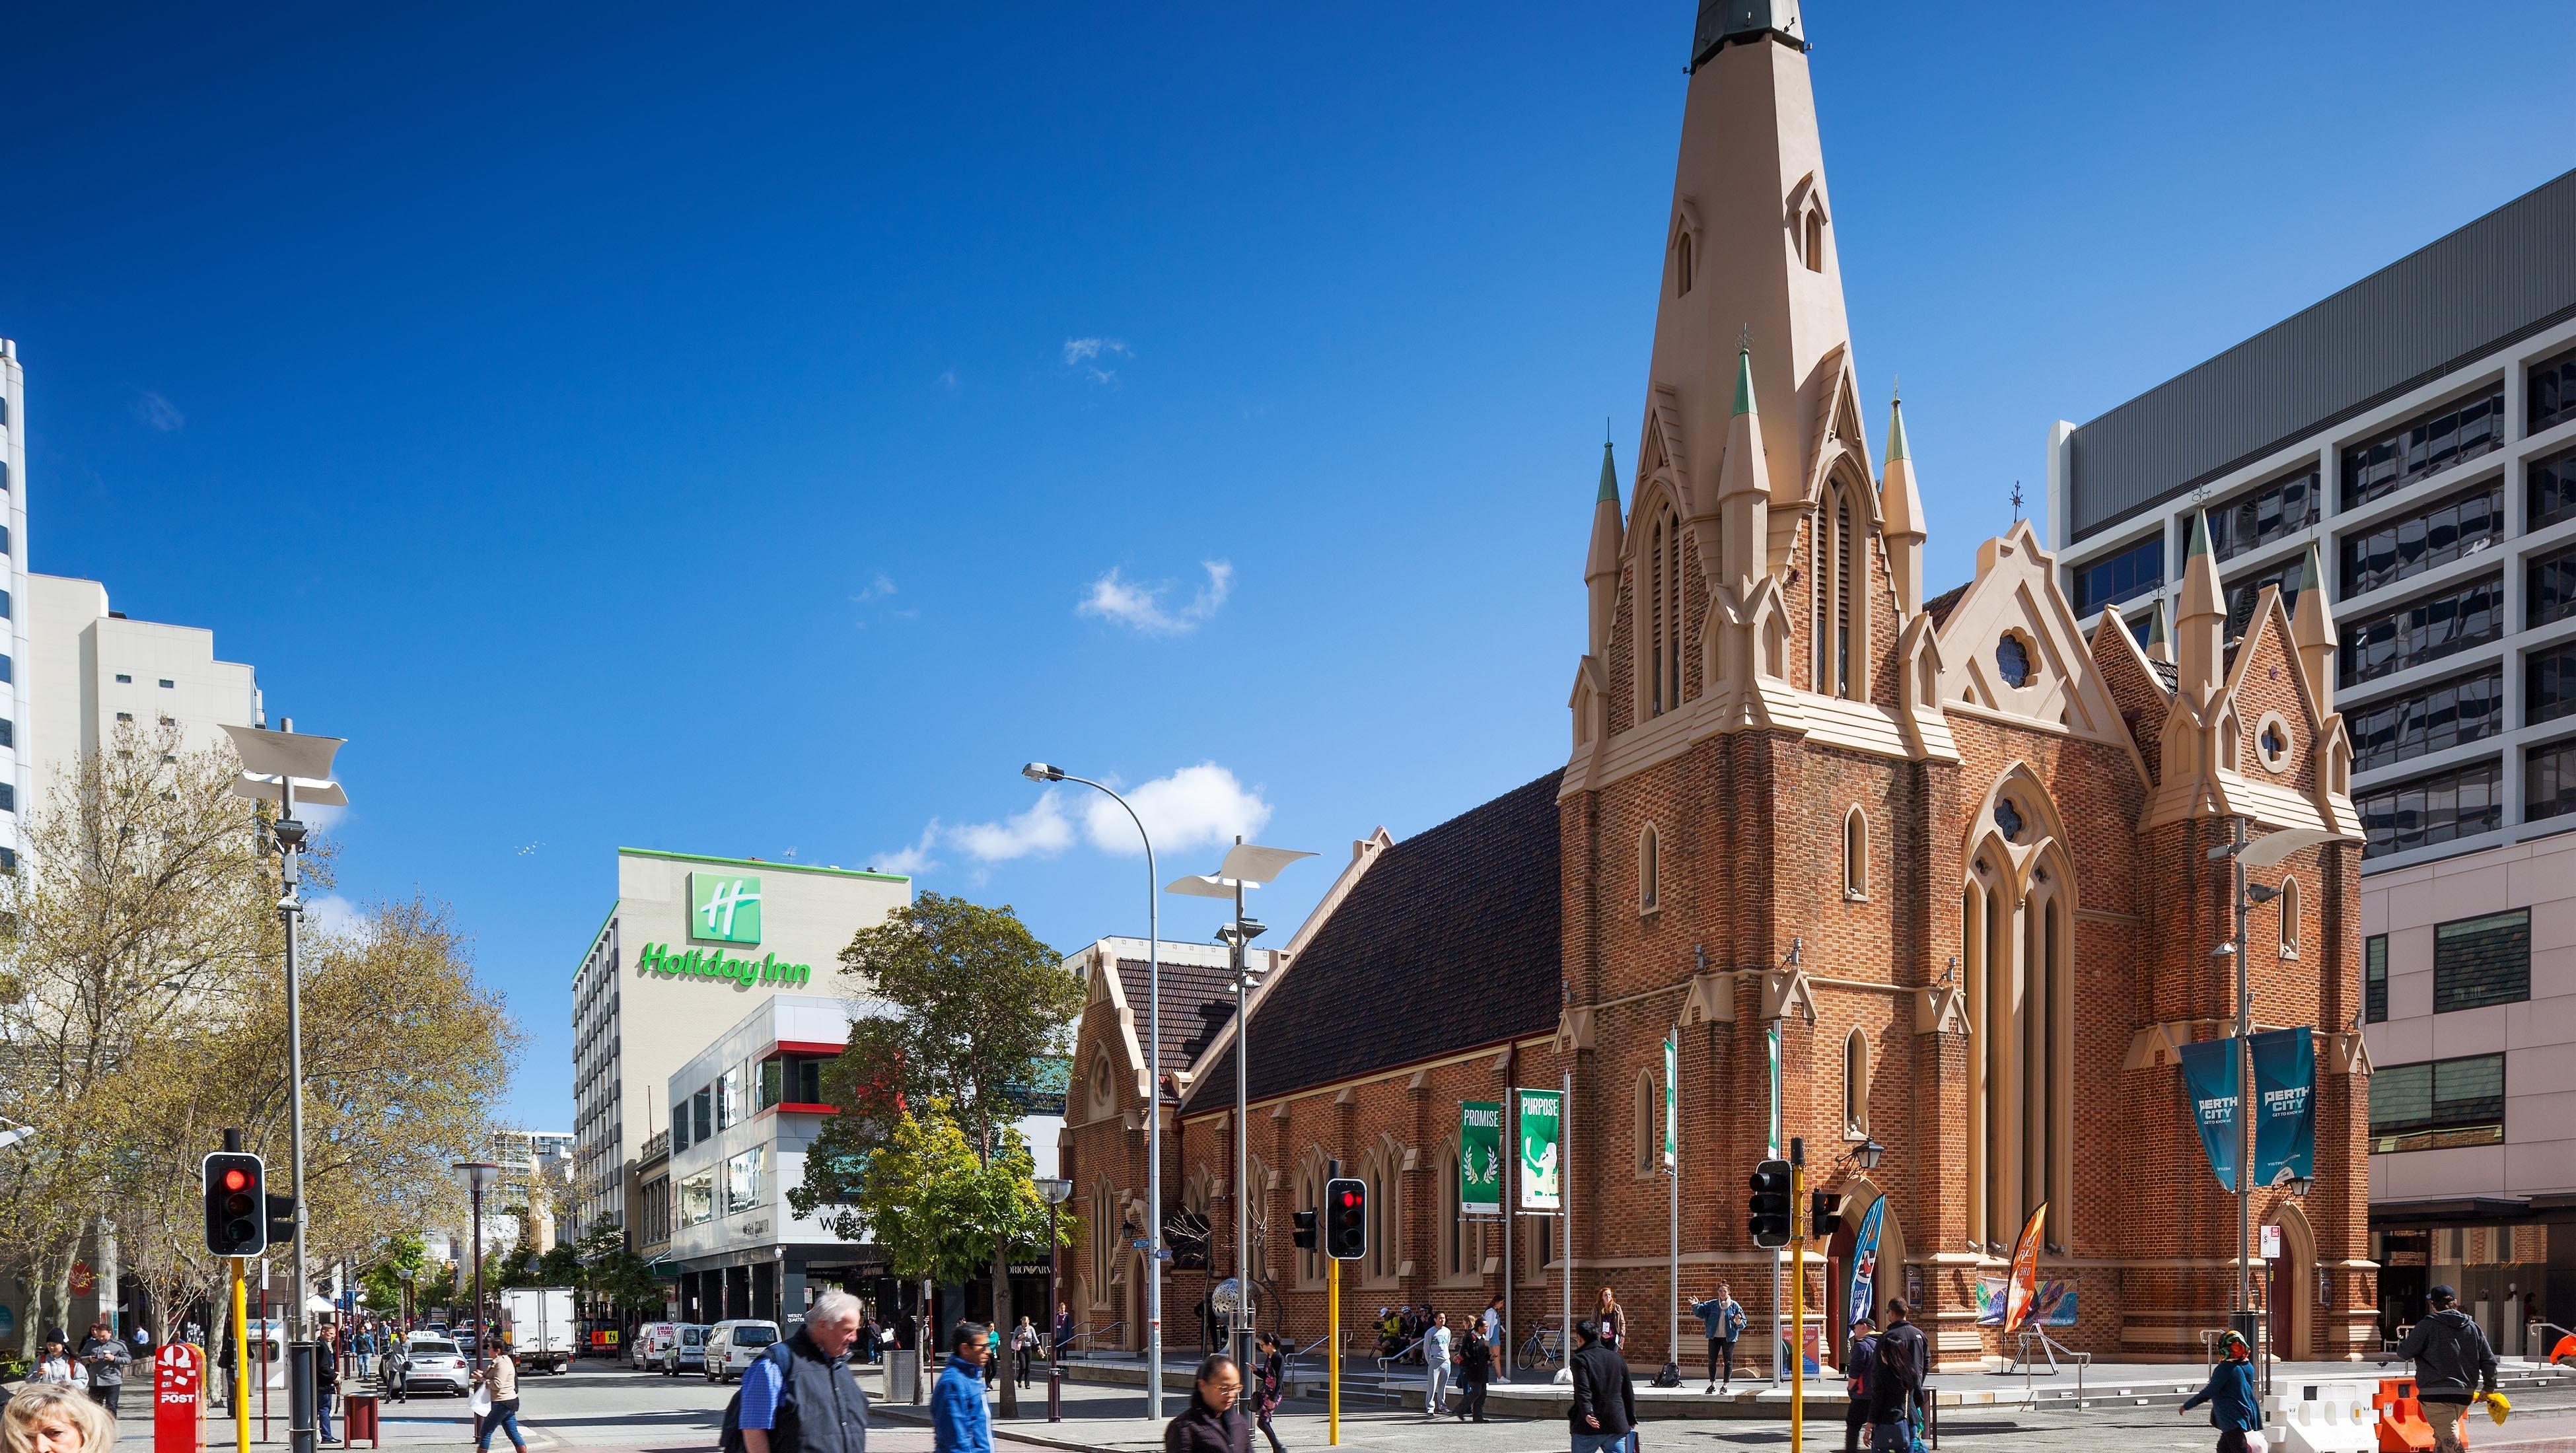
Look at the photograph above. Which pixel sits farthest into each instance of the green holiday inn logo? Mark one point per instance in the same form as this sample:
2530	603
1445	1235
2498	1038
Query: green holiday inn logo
724	908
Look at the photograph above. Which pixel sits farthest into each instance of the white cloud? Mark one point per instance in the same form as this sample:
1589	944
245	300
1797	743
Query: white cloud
334	915
1194	807
879	586
1138	605
159	413
916	858
1043	830
947	379
1089	357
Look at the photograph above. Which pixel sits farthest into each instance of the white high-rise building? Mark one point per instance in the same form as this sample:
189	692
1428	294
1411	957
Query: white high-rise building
17	772
93	670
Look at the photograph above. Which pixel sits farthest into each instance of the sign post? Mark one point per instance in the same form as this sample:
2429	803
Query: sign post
241	1361
1797	1294
1333	1346
176	1403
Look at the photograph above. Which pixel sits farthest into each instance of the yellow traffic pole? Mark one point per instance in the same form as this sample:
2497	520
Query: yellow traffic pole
1797	1299
1333	1351
241	1361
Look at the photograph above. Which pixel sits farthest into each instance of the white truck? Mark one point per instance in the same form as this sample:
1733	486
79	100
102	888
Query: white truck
539	1323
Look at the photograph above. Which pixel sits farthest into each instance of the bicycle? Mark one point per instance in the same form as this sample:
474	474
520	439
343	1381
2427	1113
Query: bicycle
1545	1348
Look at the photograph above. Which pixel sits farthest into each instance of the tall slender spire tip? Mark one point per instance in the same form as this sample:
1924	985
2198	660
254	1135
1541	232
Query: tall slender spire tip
1609	493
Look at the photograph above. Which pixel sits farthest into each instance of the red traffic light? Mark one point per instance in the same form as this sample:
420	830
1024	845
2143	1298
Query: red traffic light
1350	1198
236	1179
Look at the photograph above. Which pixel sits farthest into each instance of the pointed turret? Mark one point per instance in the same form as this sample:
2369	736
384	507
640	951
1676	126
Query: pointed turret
1601	566
2200	640
2159	636
2312	631
1744	485
1901	505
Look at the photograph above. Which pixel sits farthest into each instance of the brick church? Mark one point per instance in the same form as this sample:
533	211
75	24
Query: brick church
1952	849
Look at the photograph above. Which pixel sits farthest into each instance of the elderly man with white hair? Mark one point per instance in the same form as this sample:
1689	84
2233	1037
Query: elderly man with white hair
801	1397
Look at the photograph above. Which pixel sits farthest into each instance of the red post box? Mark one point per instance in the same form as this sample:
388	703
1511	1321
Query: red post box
178	1389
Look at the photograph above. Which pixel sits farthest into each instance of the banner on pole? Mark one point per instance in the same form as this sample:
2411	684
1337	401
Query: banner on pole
1542	1119
2209	1092
1864	1273
2021	1293
1480	1157
1672	1102
2285	1125
1771	1041
2053	1305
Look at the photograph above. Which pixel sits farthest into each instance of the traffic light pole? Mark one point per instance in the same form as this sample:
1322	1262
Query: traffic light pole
300	1432
241	1357
1333	1351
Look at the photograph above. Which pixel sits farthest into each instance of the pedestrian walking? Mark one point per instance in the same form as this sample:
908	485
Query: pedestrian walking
1860	1366
326	1384
1435	1364
1495	1333
958	1420
398	1371
1211	1423
1723	1320
1897	1371
800	1396
1063	1330
1270	1386
49	1418
55	1368
1605	1400
500	1375
2454	1366
2230	1395
1024	1348
104	1358
1475	1374
1613	1319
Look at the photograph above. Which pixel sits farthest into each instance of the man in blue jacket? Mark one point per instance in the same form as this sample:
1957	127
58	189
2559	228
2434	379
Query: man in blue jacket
958	1420
2230	1396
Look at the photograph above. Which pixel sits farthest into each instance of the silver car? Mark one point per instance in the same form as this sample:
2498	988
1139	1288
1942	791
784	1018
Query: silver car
437	1362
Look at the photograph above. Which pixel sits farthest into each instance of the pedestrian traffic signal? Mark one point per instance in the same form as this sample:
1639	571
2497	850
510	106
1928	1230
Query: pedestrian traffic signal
1346	1219
1824	1213
1305	1234
281	1220
235	1192
1769	1204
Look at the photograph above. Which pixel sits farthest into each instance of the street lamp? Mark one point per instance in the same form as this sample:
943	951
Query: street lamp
478	1174
281	765
1245	866
1154	1253
2242	854
1055	1189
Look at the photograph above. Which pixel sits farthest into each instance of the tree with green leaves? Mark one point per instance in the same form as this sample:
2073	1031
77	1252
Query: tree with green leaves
975	1007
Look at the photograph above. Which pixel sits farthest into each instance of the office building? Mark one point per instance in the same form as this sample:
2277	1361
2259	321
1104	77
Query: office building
691	943
17	766
2414	435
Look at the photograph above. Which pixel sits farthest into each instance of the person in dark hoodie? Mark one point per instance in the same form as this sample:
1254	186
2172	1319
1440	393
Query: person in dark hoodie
2454	1366
1211	1423
2230	1395
1605	1400
1900	1361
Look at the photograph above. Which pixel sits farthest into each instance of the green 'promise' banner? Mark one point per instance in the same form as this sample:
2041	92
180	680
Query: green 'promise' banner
1542	1116
1480	1158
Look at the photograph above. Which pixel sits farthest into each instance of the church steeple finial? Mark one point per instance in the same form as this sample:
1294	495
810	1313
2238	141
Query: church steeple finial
2200	633
1609	492
1900	505
1601	563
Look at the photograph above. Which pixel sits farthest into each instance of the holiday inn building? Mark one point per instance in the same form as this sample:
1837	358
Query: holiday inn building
692	944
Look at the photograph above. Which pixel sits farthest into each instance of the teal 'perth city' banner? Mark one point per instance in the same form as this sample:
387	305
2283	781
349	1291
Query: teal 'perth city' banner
2285	1121
2209	1093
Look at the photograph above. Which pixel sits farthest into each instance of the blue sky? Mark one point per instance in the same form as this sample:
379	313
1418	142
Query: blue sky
757	432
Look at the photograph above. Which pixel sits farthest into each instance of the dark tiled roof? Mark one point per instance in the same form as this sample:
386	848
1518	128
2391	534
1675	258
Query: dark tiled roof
1197	1001
1940	606
2168	673
1449	941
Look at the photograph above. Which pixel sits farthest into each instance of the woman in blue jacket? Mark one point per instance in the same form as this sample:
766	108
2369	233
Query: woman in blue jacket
2230	1396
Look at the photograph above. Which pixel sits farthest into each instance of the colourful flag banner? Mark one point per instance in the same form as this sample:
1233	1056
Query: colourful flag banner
2285	1122
2024	1287
2209	1093
1542	1119
1480	1157
1864	1276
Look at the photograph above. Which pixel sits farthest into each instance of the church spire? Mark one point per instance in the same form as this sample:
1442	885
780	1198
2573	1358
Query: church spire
2312	630
2159	637
2201	637
1901	506
1601	565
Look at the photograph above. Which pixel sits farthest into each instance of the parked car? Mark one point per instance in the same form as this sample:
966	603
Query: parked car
437	1362
734	1345
686	1349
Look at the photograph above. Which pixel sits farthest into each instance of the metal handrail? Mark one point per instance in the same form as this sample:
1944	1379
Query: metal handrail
1074	1343
1398	1355
1318	1342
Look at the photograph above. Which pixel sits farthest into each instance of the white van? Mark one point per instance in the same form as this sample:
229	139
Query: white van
733	1346
686	1343
644	1349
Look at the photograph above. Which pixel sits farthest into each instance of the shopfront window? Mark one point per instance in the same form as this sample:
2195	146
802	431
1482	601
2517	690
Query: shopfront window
742	1180
698	1198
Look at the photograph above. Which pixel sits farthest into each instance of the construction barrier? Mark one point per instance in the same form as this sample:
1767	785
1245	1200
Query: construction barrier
2322	1416
2402	1428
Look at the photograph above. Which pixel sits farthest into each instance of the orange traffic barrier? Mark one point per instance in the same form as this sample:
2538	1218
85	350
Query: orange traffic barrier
2565	1351
2402	1428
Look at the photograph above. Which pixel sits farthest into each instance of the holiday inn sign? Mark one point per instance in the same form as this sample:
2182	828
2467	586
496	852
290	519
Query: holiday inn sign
723	908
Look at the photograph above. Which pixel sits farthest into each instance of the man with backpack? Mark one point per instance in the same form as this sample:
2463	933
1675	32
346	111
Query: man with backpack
2454	1366
1897	1370
1860	1364
801	1396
